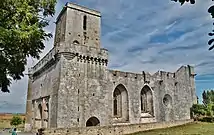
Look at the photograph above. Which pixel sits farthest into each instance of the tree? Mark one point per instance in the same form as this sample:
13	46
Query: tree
208	97
211	11
205	98
198	109
22	35
15	121
207	108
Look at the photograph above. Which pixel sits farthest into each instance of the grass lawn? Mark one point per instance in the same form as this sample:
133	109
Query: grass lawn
195	128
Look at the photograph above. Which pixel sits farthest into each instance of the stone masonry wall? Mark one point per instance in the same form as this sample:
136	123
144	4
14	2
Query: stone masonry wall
115	130
81	89
67	113
47	84
185	93
133	83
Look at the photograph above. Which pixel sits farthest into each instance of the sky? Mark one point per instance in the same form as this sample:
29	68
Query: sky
141	35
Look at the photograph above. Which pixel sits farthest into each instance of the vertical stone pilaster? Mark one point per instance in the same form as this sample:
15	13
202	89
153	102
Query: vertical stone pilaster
36	117
46	112
49	112
43	112
28	117
33	114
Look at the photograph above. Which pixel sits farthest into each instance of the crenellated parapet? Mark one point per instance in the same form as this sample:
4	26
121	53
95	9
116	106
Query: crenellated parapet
86	54
116	73
92	60
83	50
159	76
162	76
167	75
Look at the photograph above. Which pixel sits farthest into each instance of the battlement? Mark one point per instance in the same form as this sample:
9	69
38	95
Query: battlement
145	75
159	75
92	60
168	75
84	50
126	74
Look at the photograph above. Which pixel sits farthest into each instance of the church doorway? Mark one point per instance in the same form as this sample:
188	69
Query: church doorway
93	121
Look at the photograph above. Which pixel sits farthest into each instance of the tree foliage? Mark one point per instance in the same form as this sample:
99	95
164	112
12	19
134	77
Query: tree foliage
15	121
208	97
207	108
21	35
198	109
211	11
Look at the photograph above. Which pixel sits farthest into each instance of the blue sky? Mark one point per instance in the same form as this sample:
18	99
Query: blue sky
147	35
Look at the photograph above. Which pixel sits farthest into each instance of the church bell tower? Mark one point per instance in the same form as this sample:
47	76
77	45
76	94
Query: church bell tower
78	25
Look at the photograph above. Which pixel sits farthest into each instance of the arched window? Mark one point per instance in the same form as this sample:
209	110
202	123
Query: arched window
93	121
146	100
84	22
120	103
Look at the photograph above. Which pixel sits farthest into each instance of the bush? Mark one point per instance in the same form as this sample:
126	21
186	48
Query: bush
15	121
206	119
198	110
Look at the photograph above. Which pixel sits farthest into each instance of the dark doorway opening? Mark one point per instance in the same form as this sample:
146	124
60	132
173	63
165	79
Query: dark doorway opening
93	121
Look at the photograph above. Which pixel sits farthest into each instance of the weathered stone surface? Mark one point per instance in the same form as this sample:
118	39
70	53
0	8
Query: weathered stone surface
73	83
115	130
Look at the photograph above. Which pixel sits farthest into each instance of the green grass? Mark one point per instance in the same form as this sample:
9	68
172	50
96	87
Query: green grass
196	128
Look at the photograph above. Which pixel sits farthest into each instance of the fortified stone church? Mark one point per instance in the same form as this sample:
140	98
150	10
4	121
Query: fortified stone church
71	85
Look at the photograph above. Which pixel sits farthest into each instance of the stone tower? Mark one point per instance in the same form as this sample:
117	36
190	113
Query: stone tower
84	62
78	25
60	80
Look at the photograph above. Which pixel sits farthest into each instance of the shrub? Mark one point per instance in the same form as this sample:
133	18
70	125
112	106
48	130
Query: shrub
15	121
198	109
206	119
